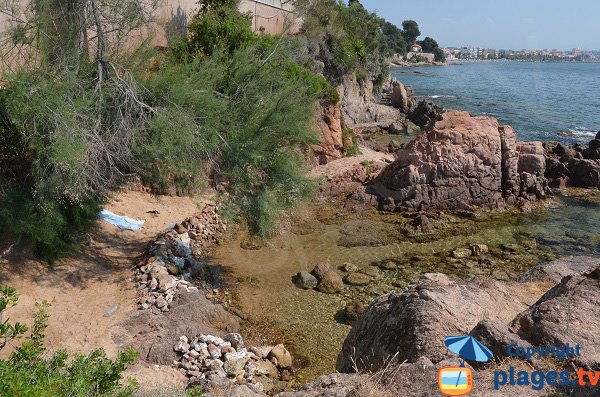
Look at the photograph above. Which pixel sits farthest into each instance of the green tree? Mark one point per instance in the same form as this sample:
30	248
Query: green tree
428	44
393	41
410	31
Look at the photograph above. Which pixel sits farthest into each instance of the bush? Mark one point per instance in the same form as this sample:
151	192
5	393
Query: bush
351	147
49	224
28	372
244	119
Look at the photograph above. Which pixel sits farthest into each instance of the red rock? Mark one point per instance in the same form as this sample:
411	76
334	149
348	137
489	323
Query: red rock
463	161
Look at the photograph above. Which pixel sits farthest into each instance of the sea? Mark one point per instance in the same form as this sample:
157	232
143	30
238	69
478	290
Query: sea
540	100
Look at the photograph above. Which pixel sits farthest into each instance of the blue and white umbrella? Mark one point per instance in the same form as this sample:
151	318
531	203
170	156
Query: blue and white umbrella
468	348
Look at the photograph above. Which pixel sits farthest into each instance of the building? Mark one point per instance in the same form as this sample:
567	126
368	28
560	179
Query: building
271	16
416	48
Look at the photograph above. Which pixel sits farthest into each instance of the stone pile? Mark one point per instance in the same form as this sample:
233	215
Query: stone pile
222	363
171	260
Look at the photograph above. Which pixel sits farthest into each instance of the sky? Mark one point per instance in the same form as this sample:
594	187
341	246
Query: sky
500	24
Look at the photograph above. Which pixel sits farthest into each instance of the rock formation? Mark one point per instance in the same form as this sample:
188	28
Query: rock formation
412	323
573	166
568	313
402	97
331	143
424	113
357	101
461	161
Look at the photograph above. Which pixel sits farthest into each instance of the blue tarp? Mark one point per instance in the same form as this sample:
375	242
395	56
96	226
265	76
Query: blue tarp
122	222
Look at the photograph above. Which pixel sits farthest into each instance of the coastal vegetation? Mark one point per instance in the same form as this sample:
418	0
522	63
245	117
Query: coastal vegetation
30	371
223	105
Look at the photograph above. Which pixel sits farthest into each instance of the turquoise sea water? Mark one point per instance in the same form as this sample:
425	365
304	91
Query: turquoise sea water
542	101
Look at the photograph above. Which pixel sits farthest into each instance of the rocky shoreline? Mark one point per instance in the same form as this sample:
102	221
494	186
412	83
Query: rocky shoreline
437	161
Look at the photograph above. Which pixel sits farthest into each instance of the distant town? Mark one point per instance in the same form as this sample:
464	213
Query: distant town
477	53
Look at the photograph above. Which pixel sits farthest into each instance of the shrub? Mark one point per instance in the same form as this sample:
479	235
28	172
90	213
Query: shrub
28	372
351	147
242	119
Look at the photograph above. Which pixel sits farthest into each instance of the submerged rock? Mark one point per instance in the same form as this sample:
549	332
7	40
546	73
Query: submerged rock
357	279
331	283
306	280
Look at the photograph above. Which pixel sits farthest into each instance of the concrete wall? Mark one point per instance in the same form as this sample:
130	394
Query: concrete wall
426	56
274	16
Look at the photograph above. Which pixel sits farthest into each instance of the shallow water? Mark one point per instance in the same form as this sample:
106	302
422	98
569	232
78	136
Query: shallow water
542	101
311	320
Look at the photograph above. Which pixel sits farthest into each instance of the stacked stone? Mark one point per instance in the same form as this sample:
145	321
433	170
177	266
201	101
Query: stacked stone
171	261
221	363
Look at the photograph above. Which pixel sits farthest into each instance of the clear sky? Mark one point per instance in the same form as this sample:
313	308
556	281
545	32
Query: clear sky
500	24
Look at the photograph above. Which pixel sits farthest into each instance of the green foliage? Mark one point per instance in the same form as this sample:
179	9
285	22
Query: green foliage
430	45
8	331
51	225
351	147
393	41
218	24
410	31
244	119
346	39
29	373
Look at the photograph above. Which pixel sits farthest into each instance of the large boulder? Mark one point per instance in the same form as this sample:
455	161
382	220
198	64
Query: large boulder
402	97
461	161
568	313
411	323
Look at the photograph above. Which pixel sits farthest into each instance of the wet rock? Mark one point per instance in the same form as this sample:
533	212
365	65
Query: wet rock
357	279
371	271
388	265
306	280
567	313
349	267
353	311
282	355
479	249
461	253
320	269
331	283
